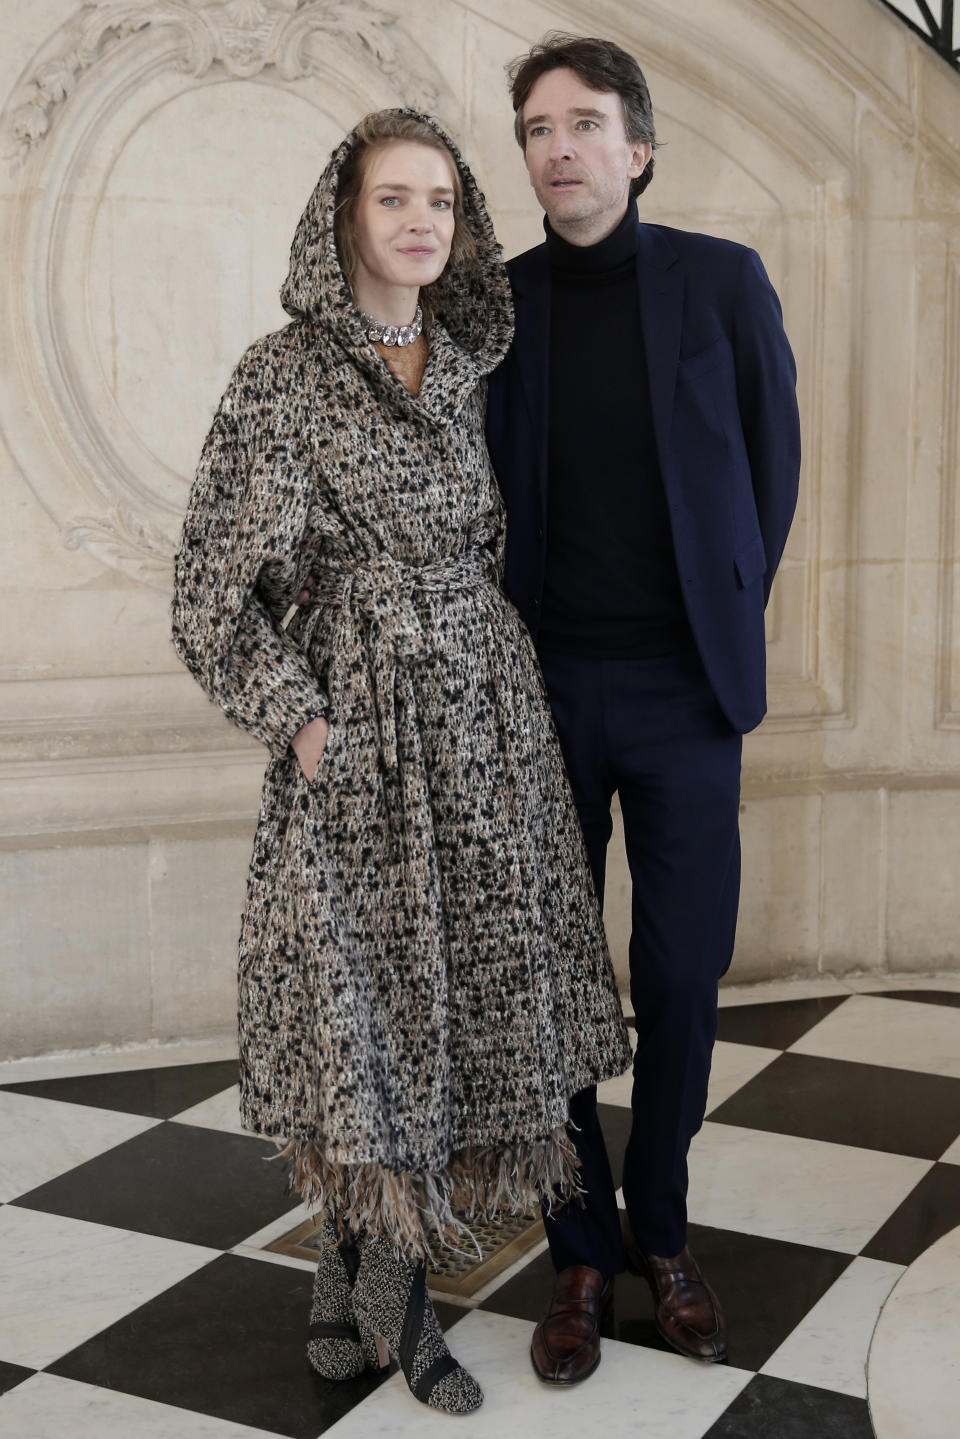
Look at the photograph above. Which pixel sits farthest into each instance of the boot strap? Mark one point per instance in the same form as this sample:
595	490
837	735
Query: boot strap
410	1338
431	1377
329	1329
413	1320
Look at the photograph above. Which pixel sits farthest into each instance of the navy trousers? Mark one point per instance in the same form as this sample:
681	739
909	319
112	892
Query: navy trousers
650	729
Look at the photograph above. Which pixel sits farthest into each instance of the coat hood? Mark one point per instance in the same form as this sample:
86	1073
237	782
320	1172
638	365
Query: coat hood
472	301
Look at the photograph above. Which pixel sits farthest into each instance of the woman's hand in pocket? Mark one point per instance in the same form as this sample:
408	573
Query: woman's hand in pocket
309	744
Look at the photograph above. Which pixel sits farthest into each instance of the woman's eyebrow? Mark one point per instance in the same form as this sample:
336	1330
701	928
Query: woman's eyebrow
436	189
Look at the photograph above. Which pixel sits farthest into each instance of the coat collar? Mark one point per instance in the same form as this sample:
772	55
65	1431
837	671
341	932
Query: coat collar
530	277
660	281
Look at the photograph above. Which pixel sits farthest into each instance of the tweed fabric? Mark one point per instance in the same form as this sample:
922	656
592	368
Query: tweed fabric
338	1356
424	979
386	1298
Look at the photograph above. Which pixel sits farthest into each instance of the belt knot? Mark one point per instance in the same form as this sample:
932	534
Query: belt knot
380	590
375	598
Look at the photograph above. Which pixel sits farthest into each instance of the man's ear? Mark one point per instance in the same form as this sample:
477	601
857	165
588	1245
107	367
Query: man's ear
640	158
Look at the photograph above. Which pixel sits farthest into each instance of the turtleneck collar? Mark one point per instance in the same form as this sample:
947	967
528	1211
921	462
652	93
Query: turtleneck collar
609	254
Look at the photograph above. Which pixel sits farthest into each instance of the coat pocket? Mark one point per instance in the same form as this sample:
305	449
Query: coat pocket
750	562
323	768
707	357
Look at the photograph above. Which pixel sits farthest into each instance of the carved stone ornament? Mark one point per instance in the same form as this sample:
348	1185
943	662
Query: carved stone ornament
243	36
80	99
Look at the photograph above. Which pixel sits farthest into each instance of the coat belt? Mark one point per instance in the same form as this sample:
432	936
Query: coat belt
374	597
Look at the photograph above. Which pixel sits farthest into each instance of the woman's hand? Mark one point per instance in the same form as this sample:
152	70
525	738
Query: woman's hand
309	744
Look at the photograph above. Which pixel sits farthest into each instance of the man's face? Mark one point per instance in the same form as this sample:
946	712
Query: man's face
578	156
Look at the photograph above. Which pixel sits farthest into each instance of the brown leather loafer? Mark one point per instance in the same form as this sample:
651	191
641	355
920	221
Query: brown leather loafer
688	1313
566	1343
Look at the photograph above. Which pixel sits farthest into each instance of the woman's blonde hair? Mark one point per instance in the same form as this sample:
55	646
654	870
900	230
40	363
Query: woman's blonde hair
384	127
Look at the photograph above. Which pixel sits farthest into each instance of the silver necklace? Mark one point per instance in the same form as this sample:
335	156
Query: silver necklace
383	334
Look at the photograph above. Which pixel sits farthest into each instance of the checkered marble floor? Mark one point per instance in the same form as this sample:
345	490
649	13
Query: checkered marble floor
136	1298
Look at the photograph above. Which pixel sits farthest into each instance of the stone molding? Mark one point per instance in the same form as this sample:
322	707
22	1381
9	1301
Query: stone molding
948	597
81	98
243	36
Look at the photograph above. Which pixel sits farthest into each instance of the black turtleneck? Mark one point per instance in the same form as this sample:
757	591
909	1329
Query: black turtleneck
611	584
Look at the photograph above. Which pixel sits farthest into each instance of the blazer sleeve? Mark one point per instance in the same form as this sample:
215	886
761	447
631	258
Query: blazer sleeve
247	508
767	400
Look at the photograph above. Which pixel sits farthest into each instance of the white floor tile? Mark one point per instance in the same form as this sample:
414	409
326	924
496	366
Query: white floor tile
636	1391
913	1373
110	1061
733	1065
829	1195
220	1111
47	1407
272	1256
42	1138
829	1348
895	1032
952	1155
63	1280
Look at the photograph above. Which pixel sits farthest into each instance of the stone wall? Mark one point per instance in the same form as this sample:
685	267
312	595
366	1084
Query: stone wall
158	153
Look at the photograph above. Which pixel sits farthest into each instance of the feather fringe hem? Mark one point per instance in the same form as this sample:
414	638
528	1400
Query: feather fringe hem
419	1211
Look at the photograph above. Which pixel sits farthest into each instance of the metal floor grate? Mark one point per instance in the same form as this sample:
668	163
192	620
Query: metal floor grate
453	1272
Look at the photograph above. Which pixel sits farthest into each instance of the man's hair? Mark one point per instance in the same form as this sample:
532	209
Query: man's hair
600	64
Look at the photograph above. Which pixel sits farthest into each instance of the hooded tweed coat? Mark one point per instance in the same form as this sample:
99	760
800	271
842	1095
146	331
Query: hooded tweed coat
424	979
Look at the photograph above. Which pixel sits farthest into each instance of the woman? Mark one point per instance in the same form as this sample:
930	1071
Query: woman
424	980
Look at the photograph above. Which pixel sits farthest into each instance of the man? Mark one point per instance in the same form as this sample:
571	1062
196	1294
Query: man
644	431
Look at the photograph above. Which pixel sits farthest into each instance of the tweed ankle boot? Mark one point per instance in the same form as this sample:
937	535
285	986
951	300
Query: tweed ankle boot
333	1344
394	1312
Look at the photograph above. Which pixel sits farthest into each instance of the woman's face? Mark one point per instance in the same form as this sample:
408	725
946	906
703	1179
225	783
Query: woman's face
404	221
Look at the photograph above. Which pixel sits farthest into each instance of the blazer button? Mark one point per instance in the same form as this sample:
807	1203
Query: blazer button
534	602
540	532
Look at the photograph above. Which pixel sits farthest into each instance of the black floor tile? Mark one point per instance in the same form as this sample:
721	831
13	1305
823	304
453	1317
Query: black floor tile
158	1093
449	1314
776	1025
766	1287
776	1409
929	1211
228	1341
176	1180
527	1294
922	996
865	1105
12	1374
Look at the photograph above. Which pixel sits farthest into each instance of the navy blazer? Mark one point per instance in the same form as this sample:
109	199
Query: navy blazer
723	393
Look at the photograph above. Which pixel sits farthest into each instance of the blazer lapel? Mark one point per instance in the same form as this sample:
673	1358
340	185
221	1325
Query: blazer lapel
660	281
532	350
